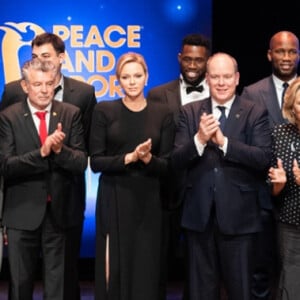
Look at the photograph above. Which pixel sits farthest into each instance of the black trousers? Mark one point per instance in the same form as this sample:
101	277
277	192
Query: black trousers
25	247
266	264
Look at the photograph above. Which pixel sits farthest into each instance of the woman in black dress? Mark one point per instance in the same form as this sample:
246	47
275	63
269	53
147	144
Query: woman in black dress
130	143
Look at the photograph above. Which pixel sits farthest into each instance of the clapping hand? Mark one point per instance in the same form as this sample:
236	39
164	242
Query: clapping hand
278	177
208	126
296	171
141	152
53	142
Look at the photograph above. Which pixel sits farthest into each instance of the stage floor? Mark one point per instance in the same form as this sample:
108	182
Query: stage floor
87	290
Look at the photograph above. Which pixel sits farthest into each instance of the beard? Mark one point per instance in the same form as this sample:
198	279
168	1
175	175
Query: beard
192	81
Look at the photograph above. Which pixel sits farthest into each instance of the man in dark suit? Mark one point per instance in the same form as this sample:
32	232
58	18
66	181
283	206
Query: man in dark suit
283	54
42	176
190	86
224	164
50	47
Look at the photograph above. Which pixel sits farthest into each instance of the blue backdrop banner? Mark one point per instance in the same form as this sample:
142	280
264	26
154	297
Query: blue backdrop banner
96	33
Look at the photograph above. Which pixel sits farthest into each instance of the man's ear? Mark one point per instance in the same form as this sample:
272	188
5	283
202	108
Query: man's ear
24	86
269	56
61	57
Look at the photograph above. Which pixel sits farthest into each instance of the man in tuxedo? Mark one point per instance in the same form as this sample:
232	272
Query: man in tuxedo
283	54
190	86
50	47
42	162
223	144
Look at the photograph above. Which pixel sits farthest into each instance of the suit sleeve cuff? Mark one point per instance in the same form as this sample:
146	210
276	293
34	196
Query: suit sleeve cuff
199	147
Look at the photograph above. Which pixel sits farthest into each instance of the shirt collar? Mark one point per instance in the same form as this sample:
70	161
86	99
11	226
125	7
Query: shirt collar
33	110
227	104
278	82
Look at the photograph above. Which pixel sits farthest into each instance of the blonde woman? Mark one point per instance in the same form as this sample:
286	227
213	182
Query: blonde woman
285	179
130	143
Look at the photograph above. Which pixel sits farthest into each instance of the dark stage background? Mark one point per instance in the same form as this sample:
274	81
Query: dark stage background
244	28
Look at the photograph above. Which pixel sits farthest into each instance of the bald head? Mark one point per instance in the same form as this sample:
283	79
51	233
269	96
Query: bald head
284	55
283	36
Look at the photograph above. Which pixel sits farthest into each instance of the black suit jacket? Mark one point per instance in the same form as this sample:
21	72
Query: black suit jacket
229	184
75	92
168	93
29	178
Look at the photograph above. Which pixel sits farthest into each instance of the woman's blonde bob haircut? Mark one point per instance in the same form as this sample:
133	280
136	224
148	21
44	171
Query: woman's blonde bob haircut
128	58
290	97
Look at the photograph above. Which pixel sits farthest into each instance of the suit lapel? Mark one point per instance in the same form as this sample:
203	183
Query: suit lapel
29	123
68	89
173	99
171	96
199	107
54	116
234	116
269	97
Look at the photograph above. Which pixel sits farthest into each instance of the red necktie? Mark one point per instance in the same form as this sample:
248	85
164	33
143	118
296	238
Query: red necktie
43	127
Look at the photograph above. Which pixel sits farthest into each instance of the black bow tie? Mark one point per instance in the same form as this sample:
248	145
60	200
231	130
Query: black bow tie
190	89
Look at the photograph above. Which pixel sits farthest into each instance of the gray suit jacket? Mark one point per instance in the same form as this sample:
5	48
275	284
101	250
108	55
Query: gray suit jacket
264	93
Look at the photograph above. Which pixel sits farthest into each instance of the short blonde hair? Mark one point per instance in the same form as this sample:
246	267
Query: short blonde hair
289	100
128	58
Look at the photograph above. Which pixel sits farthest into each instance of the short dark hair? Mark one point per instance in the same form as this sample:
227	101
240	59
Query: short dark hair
197	39
49	38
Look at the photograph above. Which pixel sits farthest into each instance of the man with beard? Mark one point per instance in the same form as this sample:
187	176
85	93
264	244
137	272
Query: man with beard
190	86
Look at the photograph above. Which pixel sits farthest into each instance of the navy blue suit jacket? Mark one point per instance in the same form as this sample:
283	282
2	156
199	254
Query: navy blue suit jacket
228	183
